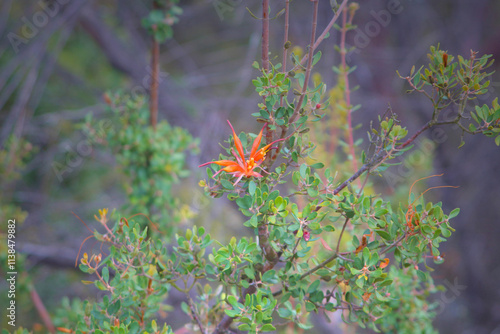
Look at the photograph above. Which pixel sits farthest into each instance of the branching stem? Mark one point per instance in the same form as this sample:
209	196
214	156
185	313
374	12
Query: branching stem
309	62
347	91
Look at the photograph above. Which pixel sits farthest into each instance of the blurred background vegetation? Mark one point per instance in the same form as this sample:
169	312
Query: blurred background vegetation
52	80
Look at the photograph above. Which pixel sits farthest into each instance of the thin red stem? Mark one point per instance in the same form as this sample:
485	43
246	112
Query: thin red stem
265	35
265	55
410	140
347	90
285	40
303	60
323	34
42	311
309	62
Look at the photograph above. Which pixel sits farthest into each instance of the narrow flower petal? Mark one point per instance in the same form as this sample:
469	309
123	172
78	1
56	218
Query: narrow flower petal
256	142
237	143
233	168
220	163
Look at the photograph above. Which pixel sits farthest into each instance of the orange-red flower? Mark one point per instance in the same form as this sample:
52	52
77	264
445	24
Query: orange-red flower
244	167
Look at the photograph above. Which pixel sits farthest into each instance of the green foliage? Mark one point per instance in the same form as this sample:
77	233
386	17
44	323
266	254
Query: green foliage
13	159
447	82
137	275
323	272
20	330
159	22
410	311
153	161
322	241
334	240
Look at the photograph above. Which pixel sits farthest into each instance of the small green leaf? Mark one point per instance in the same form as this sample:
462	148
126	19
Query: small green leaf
232	300
310	306
285	313
99	285
318	165
245	202
360	281
421	275
445	232
366	254
316	58
454	213
114	308
267	328
384	235
251	187
249	272
226	184
252	222
270	276
314	286
416	80
232	313
385	283
302	170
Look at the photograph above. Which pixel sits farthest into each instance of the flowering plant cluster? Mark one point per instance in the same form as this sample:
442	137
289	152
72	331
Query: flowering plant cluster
322	239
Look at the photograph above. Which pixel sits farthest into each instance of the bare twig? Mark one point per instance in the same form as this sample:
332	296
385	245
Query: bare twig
410	140
347	90
358	173
395	243
265	35
42	311
323	34
379	158
285	40
195	316
311	271
341	234
308	58
309	62
265	55
364	184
